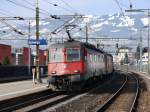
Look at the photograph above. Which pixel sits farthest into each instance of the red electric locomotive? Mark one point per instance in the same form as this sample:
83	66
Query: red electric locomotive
72	63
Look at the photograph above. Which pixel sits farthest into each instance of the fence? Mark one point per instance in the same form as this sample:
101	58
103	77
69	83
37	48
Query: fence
144	68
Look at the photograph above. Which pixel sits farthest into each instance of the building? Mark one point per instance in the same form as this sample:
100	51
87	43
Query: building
42	57
20	56
26	53
5	53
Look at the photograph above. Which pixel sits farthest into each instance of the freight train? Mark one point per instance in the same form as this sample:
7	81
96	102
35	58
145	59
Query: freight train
73	63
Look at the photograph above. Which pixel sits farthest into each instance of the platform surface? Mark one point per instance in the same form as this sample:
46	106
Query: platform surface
19	88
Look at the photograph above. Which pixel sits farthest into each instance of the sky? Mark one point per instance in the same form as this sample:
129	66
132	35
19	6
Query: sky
10	8
86	7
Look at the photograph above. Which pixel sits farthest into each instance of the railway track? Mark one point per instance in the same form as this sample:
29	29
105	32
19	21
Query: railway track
124	99
20	102
40	101
37	101
89	101
101	98
42	105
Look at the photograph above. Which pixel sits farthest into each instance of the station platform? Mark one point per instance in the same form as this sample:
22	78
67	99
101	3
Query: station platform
19	88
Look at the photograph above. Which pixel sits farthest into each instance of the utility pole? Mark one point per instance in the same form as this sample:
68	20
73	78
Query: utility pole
140	50
148	41
37	45
29	51
86	30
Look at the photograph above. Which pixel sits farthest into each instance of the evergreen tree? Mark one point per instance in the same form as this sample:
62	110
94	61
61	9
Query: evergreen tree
126	59
6	61
137	56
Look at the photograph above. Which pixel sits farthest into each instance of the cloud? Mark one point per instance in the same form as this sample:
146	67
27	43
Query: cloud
144	21
100	24
115	31
5	28
111	18
44	30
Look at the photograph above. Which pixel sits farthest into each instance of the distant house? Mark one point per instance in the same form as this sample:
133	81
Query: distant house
122	51
144	58
21	56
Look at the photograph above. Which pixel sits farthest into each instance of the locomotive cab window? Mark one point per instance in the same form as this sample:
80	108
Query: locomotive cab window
72	54
56	55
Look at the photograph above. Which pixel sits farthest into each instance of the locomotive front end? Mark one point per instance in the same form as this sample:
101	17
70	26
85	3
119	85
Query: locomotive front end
65	67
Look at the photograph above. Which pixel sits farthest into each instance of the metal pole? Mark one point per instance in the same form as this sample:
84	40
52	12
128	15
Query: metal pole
86	33
37	45
148	42
29	53
140	50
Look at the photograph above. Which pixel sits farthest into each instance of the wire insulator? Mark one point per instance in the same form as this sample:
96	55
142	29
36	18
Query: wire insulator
130	6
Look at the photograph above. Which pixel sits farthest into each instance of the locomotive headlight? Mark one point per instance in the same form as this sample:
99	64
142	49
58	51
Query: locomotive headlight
53	72
76	71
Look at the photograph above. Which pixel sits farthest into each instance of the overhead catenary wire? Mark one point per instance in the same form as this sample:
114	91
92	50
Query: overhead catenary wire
2	13
69	22
16	38
125	6
117	2
8	12
20	5
27	7
30	8
24	6
28	3
130	2
11	27
3	21
56	5
32	5
67	4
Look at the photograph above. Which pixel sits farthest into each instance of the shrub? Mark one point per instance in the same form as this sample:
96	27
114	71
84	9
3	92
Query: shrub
6	61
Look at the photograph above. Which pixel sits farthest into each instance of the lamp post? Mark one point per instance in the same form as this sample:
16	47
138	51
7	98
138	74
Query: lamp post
148	41
140	45
140	50
86	32
148	14
29	51
37	45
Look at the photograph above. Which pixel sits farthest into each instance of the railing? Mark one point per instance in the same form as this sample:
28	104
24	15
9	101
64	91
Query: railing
127	67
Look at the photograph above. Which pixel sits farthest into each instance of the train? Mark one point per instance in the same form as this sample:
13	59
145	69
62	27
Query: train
72	63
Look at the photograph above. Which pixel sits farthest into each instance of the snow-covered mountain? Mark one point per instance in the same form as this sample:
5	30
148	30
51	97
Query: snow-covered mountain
116	26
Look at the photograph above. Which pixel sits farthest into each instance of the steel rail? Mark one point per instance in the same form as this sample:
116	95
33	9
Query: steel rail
101	108
136	95
27	102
